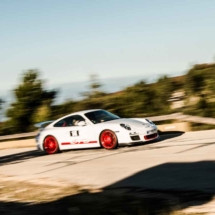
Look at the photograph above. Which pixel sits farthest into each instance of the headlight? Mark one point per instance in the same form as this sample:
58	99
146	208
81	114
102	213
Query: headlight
127	127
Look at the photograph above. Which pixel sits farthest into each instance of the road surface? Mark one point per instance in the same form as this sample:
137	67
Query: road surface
183	161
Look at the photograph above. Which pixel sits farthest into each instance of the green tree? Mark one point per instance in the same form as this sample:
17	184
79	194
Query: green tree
94	88
1	104
200	79
29	96
200	84
164	88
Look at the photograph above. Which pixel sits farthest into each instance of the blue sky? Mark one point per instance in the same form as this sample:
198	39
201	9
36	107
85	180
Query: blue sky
69	39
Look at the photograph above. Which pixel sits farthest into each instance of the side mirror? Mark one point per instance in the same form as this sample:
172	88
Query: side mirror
81	123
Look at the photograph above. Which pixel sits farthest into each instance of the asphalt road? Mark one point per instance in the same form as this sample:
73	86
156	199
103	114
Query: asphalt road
184	161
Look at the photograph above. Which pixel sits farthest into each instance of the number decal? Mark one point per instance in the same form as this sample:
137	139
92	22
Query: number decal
74	133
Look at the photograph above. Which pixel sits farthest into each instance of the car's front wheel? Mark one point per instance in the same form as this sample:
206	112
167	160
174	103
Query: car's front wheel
108	139
51	145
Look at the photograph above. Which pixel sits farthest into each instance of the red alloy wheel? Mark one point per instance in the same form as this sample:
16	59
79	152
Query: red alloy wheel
51	145
108	139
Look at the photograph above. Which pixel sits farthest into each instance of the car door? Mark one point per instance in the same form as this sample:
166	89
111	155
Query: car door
73	134
83	136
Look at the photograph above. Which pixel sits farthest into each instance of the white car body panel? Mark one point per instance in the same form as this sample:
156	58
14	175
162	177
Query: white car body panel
73	137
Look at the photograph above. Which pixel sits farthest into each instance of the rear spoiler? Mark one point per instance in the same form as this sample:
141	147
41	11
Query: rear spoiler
42	125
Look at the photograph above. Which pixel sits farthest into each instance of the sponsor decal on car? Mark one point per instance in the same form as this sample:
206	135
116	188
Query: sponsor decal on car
79	142
74	133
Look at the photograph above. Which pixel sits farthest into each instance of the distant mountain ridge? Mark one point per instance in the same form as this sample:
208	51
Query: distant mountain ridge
74	90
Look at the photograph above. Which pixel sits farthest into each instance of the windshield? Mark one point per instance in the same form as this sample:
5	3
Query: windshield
100	116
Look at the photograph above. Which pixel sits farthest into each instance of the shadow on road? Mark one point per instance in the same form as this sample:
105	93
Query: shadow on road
19	157
170	135
158	190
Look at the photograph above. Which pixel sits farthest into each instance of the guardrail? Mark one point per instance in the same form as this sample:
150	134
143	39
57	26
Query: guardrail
175	116
17	136
165	117
185	118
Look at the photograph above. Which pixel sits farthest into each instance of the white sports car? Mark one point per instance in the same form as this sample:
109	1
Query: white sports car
91	129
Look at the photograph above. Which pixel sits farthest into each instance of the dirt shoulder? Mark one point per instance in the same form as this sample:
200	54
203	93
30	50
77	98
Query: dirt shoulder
22	198
23	143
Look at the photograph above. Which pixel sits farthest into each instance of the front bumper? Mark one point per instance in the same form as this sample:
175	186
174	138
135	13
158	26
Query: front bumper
139	139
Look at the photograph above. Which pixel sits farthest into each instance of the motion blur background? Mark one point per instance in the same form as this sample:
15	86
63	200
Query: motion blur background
134	58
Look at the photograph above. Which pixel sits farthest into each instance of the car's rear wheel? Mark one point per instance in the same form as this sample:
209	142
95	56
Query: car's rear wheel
108	139
51	145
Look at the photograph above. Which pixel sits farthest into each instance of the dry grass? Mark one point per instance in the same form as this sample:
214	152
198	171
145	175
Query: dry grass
22	198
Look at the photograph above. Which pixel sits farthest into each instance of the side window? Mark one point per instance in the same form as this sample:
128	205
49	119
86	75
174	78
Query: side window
60	123
76	119
69	121
64	122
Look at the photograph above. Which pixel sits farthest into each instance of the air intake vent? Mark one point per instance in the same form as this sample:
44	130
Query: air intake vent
151	136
